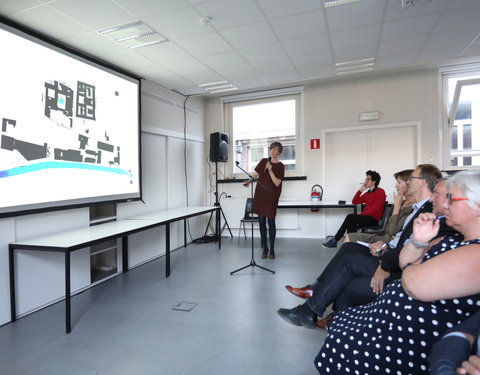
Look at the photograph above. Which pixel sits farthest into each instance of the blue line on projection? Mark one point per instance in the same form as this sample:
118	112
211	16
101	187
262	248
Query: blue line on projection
58	165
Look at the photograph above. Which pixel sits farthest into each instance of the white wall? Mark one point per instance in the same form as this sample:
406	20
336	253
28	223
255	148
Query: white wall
40	277
336	103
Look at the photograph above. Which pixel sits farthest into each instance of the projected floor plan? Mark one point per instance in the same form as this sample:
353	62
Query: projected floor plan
82	142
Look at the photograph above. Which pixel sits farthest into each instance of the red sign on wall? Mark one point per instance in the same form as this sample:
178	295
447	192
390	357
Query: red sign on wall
314	143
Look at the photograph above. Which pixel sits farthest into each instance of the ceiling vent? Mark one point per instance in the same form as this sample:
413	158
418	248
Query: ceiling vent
411	3
357	66
133	35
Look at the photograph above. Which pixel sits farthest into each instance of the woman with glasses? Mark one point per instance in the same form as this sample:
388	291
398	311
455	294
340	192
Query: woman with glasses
439	289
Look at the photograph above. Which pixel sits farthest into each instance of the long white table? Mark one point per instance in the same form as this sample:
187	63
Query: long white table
69	241
316	205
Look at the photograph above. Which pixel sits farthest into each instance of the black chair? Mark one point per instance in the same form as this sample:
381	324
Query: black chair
248	217
382	224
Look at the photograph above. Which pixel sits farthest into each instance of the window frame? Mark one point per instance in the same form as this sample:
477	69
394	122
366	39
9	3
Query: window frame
269	96
448	115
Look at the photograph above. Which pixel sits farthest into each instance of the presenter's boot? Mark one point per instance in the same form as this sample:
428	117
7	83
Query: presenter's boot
265	252
272	254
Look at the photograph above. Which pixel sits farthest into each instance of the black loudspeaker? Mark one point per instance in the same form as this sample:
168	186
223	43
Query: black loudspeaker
219	147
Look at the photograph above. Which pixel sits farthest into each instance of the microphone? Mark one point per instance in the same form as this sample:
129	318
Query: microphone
269	160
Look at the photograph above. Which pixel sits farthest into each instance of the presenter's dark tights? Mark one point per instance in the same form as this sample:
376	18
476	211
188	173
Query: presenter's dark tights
272	231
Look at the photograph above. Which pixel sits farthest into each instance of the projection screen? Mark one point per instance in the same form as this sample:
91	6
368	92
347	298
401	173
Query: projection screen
70	128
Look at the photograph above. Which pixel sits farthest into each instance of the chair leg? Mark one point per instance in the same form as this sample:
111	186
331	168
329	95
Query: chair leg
239	232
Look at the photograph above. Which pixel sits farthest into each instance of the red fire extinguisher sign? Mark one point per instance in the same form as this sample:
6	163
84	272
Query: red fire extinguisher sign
314	143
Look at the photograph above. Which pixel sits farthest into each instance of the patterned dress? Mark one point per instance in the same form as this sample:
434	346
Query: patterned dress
393	334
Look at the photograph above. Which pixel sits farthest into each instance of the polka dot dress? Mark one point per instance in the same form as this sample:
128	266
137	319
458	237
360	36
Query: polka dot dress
393	334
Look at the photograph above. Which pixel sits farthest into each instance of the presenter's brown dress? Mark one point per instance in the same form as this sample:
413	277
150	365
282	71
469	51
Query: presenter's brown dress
265	200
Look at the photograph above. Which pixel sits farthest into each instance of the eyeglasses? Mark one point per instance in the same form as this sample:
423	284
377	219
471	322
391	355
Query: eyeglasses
412	177
452	199
368	179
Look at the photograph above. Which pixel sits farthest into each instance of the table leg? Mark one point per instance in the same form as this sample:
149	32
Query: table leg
167	249
125	254
184	232
68	307
11	263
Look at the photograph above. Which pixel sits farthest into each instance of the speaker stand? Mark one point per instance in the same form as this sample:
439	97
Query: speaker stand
218	215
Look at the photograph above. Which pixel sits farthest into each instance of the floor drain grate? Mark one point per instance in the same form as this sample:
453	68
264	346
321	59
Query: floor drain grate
184	306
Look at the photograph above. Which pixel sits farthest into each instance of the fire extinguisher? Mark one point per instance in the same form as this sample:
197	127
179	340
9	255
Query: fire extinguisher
316	195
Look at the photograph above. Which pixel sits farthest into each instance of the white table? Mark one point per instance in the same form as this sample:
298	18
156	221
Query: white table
69	241
316	205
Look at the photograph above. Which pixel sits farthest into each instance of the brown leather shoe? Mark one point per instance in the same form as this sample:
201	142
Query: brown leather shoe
271	256
306	292
324	322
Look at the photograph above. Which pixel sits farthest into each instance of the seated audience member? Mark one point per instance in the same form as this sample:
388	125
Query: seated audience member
455	347
439	288
402	207
374	199
359	269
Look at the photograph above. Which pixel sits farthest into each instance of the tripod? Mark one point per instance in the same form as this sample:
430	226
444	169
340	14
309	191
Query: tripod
217	231
252	261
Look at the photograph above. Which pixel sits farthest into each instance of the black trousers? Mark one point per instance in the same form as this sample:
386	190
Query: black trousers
272	231
346	280
353	222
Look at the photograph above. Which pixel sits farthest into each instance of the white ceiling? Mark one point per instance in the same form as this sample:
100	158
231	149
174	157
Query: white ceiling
255	44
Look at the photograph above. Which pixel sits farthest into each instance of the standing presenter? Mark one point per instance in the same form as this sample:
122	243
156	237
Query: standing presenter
270	173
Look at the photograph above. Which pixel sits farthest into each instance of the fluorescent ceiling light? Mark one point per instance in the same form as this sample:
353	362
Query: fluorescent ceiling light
345	68
355	62
339	73
411	3
149	43
332	3
211	84
121	27
222	90
220	86
133	35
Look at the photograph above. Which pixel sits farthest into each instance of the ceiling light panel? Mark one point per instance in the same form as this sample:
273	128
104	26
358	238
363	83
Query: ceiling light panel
133	35
332	3
411	3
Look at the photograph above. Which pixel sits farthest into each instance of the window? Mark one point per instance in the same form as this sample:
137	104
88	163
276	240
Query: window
462	120
255	122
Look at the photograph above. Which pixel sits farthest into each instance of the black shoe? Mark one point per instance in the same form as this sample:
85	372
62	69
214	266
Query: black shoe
330	243
299	316
272	254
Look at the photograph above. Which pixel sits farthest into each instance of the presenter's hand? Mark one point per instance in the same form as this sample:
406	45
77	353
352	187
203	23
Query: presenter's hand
268	166
247	183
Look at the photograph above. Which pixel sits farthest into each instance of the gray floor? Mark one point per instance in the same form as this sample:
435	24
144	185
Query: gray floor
127	325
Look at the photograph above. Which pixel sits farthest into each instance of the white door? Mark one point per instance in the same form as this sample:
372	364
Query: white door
349	153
